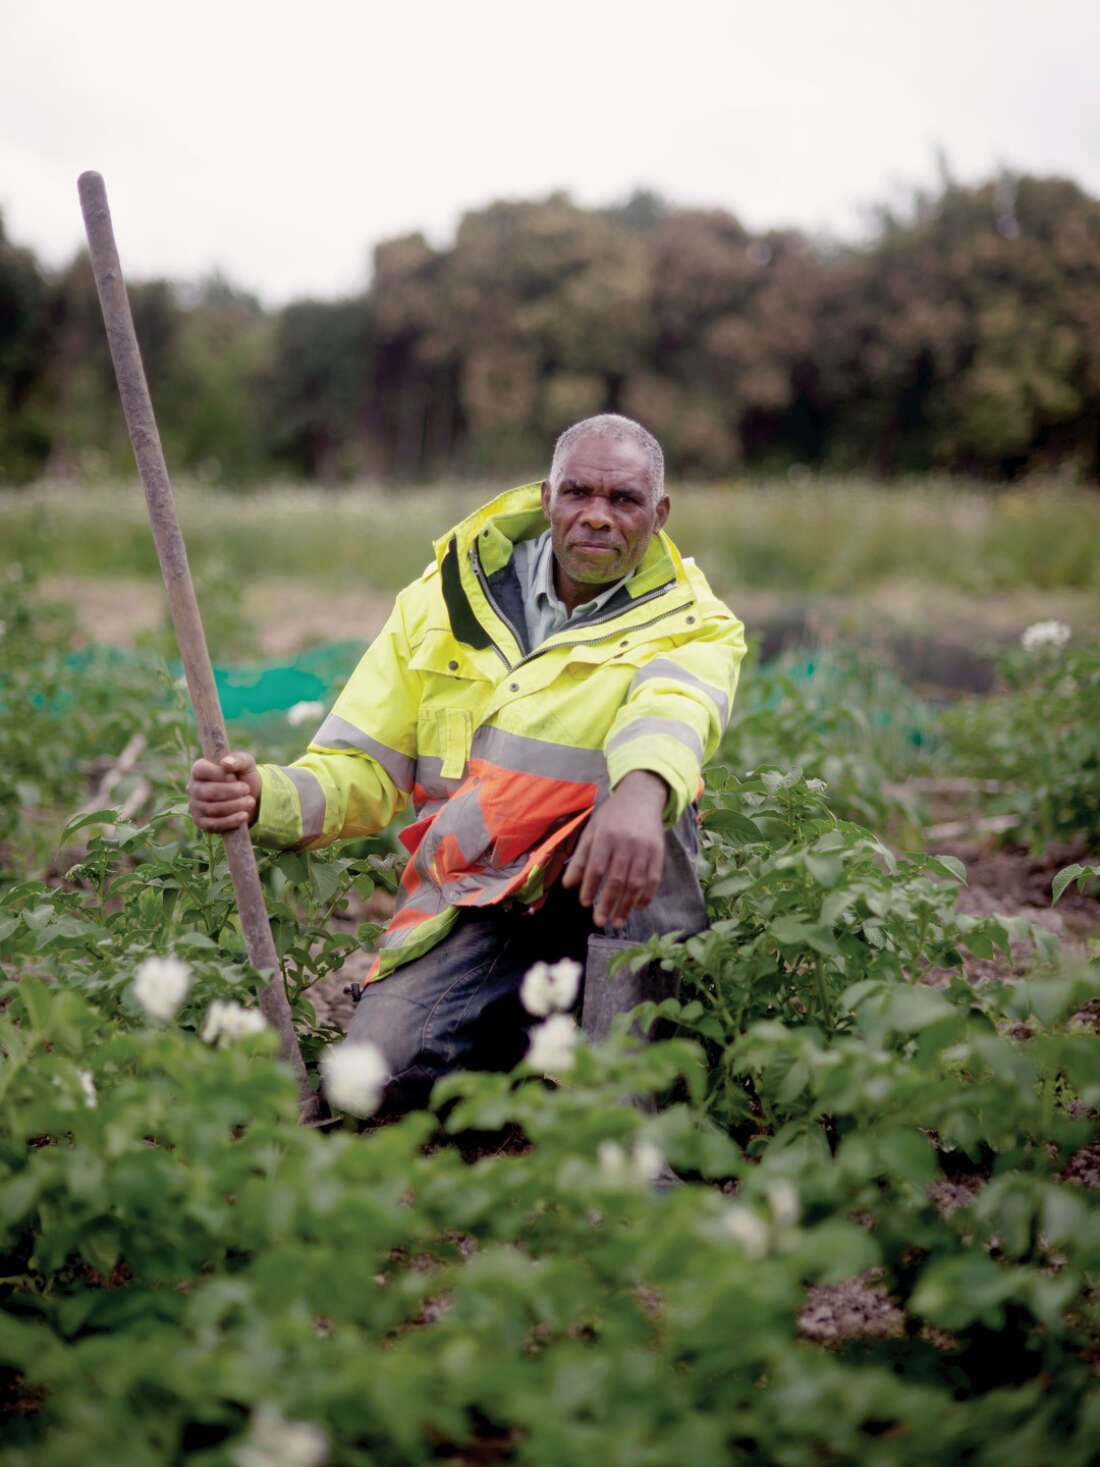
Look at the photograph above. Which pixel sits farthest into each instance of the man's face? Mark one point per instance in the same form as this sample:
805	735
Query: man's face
602	516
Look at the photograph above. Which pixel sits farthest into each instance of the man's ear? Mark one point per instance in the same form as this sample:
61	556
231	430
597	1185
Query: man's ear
662	511
546	500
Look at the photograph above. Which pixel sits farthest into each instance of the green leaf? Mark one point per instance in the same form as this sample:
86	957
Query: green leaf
294	866
1077	873
954	1293
732	822
325	878
90	817
946	866
99	1245
200	941
826	870
793	933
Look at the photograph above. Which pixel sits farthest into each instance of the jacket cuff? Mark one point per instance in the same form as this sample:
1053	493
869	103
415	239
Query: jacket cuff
683	783
278	821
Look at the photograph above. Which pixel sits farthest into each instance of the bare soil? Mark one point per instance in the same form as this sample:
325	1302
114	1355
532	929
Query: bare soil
1009	880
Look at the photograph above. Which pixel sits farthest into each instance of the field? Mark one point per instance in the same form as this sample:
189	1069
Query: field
879	1081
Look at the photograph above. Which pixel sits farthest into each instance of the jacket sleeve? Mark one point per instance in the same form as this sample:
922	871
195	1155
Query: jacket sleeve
678	705
360	765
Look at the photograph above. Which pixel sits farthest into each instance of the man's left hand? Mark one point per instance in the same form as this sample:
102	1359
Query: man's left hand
621	852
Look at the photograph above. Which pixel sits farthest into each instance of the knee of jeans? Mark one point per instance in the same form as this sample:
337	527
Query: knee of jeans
381	1018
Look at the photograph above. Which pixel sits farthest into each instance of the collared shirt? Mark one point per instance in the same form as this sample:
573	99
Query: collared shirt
544	609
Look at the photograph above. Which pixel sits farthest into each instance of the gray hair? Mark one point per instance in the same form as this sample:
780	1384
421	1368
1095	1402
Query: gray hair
616	428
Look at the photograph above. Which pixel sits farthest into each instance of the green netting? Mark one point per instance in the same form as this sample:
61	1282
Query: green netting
250	690
256	690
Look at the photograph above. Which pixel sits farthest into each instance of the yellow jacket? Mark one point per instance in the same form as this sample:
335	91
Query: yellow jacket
505	752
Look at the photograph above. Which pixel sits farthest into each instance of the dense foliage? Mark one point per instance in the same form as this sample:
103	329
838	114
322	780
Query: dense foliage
962	336
189	1276
1040	736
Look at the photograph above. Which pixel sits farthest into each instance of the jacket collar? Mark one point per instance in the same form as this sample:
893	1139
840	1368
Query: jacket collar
517	515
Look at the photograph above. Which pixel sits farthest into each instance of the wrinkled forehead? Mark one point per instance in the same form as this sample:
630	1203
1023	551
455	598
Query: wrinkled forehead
604	462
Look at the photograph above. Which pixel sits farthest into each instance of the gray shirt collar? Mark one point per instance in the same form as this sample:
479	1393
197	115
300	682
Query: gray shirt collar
544	609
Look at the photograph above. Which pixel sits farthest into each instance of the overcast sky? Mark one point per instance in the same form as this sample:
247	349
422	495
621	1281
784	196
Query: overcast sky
278	141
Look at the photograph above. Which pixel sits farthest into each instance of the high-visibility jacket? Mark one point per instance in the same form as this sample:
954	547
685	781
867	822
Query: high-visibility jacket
505	751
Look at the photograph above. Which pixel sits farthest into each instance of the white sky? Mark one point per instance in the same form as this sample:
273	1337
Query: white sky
278	140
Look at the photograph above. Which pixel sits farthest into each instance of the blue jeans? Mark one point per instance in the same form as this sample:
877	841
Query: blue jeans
458	1006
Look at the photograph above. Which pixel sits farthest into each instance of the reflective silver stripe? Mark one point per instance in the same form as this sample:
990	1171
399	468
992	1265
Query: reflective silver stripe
429	776
463	819
428	807
664	667
427	899
484	888
337	733
311	798
524	755
670	728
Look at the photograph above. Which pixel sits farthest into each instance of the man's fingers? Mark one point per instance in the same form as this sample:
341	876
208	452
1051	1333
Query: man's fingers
574	871
621	894
217	823
602	866
207	771
615	890
216	794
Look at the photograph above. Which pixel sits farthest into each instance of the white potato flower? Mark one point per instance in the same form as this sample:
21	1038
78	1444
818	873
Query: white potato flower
226	1019
553	1044
354	1076
306	712
644	1163
87	1086
160	986
649	1160
273	1441
1042	634
550	987
611	1159
784	1201
747	1228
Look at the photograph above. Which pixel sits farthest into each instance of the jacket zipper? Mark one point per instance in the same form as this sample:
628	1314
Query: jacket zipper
595	641
479	575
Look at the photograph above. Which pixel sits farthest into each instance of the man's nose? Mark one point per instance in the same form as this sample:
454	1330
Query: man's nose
597	514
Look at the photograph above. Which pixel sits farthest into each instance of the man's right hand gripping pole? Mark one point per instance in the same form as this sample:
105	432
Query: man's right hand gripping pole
224	795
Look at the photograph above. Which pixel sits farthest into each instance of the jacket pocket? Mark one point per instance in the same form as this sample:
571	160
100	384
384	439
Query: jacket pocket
445	734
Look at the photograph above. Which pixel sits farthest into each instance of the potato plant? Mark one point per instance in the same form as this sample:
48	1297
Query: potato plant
189	1276
1039	736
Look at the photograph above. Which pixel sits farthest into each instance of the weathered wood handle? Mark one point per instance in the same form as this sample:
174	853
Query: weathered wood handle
172	553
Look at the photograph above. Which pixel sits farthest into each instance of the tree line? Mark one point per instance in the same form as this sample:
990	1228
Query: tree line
963	335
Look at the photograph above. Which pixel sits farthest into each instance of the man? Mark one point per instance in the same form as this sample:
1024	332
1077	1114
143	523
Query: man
546	697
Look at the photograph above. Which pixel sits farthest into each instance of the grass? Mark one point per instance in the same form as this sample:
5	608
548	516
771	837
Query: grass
832	536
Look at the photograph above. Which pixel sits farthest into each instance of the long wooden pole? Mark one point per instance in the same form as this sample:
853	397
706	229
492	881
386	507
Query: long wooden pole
172	553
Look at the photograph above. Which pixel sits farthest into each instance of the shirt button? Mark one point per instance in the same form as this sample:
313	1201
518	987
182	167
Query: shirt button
513	687
625	642
691	621
452	666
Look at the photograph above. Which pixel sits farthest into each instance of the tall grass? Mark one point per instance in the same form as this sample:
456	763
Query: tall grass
826	535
